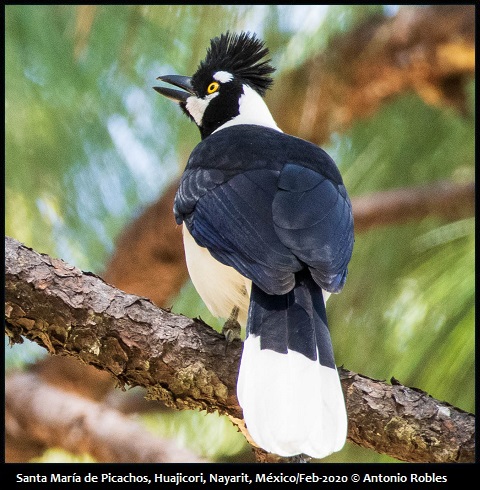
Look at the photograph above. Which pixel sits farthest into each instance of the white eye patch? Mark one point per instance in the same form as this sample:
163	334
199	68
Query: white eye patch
223	76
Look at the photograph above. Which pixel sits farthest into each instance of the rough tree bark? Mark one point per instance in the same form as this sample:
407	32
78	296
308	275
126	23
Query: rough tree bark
161	254
184	363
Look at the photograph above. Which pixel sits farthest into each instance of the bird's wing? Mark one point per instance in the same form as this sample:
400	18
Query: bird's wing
313	219
233	221
270	220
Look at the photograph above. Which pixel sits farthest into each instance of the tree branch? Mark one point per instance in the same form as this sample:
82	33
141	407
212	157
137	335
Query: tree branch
429	50
184	362
140	247
57	418
396	206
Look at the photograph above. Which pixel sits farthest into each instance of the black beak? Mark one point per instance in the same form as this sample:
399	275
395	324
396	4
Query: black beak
179	81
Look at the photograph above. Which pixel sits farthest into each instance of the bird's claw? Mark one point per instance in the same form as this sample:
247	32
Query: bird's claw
231	328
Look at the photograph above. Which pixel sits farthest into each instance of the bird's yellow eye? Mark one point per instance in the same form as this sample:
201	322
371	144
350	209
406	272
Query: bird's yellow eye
213	87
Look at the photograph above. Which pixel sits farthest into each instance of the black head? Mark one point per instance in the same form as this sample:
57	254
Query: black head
238	54
228	84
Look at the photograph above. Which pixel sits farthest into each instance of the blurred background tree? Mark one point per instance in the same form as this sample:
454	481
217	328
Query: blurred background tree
93	153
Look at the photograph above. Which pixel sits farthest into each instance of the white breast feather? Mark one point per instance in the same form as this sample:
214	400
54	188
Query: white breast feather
221	287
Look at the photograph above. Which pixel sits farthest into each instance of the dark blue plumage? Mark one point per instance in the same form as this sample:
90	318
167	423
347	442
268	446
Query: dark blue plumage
269	206
293	321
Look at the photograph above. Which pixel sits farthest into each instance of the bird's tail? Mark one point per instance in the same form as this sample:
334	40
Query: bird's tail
288	385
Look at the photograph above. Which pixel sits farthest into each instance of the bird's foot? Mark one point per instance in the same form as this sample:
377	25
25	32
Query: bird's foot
232	329
299	458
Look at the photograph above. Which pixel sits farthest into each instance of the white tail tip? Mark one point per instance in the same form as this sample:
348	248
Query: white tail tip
291	404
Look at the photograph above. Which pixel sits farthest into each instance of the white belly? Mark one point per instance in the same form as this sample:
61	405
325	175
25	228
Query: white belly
221	287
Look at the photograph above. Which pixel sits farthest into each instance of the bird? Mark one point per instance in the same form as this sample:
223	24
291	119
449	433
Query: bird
268	234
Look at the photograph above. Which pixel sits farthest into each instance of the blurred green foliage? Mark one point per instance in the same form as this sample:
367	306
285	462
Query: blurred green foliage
89	144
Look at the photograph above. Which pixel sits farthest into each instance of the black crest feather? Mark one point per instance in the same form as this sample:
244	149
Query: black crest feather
241	55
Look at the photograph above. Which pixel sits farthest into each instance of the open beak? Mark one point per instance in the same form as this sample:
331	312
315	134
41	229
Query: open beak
179	81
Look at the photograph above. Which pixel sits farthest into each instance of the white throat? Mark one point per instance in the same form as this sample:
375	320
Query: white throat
196	106
253	110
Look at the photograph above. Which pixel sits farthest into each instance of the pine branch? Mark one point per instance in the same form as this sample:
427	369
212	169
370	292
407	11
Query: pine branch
46	416
428	50
444	199
184	363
